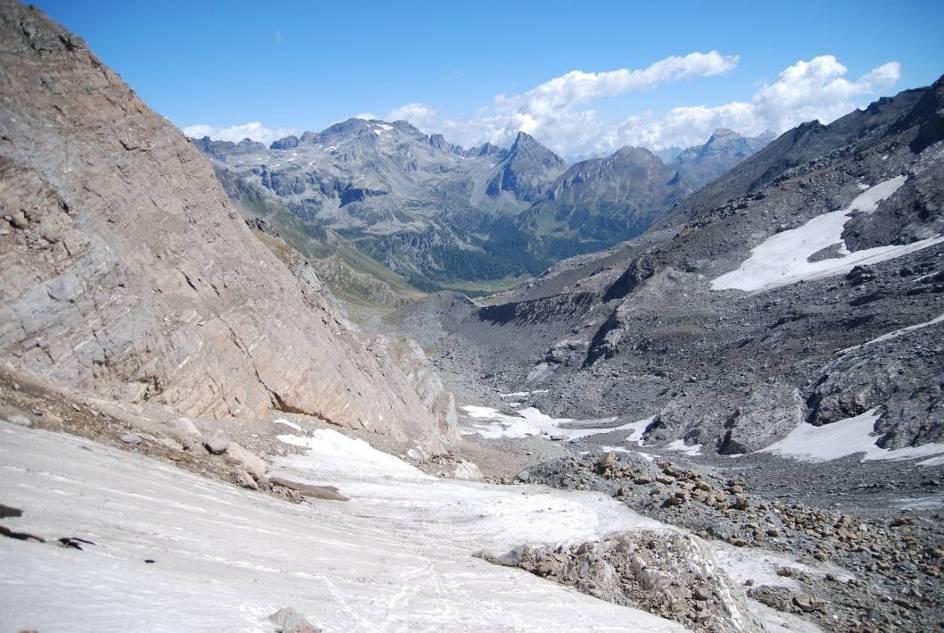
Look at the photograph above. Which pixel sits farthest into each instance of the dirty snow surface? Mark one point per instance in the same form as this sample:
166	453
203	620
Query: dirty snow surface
493	424
397	557
783	259
850	436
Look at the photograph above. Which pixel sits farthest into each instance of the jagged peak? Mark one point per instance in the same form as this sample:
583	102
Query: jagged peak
527	145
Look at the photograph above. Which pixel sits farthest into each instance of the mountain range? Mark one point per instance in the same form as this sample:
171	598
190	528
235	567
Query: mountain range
436	214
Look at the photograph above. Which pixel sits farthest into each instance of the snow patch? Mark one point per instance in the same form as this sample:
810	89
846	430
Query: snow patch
783	259
638	429
336	454
850	436
681	447
289	424
521	394
493	424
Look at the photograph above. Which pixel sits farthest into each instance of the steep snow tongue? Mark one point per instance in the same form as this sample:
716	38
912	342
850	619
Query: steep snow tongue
226	558
896	333
784	258
850	436
493	424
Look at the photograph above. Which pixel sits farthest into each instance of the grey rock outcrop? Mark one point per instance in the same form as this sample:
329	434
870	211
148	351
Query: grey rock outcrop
288	620
664	572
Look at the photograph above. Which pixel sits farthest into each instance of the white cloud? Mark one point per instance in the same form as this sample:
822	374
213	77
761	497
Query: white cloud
419	114
235	133
558	111
578	87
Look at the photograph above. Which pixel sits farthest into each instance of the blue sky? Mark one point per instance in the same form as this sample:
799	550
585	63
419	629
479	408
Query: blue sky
304	65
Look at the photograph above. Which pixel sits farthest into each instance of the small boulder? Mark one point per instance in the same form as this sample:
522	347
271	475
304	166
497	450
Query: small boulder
253	464
466	471
187	433
245	480
216	444
131	438
288	620
606	461
329	493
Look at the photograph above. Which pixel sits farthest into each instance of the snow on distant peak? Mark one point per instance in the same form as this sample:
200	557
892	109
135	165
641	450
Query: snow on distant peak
783	259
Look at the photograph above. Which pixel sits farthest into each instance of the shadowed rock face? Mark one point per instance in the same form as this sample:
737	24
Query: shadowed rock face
529	170
605	200
126	271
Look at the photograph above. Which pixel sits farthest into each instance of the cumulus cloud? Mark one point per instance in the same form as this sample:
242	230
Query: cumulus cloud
558	111
419	114
578	87
254	130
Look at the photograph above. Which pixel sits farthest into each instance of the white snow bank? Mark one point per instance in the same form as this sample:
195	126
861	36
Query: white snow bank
289	424
338	454
761	566
520	394
638	428
492	424
783	259
681	447
850	436
226	558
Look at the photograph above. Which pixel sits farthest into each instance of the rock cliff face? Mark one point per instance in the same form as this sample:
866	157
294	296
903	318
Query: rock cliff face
125	270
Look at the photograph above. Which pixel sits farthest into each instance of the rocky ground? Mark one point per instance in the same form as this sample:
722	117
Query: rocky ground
888	563
670	574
